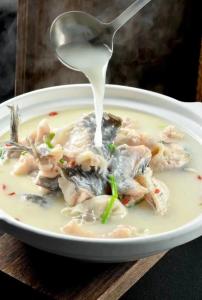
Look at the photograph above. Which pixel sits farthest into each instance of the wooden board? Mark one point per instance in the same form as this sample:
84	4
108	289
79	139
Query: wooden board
62	278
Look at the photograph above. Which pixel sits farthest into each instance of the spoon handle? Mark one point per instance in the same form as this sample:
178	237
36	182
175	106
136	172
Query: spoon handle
127	14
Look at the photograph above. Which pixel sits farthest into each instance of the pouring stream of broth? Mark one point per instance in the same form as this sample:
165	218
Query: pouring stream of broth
92	61
85	44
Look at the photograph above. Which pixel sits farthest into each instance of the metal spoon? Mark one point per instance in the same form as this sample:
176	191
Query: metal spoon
80	27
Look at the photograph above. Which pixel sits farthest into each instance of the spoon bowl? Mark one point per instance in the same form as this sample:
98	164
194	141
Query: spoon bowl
77	27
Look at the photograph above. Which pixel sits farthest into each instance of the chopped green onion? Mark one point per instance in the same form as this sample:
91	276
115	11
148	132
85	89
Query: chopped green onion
162	125
48	140
112	148
62	160
2	153
23	152
112	181
106	214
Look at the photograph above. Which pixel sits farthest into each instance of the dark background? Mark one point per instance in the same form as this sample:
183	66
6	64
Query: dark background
179	274
157	50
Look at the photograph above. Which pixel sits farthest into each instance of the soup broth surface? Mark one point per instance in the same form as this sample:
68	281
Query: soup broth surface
185	201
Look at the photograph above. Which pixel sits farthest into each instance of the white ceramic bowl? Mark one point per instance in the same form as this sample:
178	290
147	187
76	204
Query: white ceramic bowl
187	115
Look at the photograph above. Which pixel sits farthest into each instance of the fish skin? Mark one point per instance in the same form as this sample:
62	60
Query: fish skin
110	126
50	184
19	147
125	166
91	180
14	122
14	150
44	202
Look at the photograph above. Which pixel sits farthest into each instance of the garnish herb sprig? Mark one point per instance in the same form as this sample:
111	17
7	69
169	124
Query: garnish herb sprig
2	152
48	140
112	148
107	212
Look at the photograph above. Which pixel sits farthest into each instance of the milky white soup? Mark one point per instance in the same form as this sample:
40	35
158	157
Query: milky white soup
184	185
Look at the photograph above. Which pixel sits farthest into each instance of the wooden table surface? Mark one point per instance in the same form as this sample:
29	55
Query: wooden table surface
36	68
63	278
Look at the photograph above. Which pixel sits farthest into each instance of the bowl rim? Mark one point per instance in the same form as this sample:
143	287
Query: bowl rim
190	226
88	86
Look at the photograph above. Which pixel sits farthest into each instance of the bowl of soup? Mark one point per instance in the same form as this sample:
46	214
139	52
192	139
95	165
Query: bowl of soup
138	194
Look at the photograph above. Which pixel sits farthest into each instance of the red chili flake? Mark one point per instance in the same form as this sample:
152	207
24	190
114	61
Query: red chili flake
199	177
53	113
8	145
125	201
71	164
157	191
3	187
12	194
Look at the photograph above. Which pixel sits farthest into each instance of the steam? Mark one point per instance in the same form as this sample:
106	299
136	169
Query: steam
9	5
141	47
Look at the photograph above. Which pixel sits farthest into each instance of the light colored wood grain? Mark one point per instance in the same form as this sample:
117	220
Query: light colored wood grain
62	278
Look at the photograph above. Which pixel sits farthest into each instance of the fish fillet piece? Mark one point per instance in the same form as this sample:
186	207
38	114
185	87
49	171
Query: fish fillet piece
123	231
72	193
133	196
128	162
96	206
43	129
93	181
25	165
158	194
129	135
170	134
168	157
75	227
81	137
88	159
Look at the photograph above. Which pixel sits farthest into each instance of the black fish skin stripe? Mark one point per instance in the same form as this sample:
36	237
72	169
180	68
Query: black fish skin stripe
37	199
110	125
48	183
91	180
